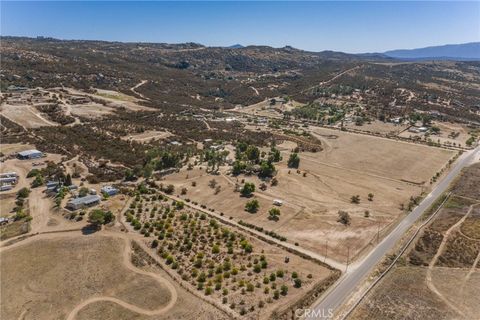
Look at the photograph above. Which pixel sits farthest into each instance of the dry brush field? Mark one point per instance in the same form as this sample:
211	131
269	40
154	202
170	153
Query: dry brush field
439	276
350	164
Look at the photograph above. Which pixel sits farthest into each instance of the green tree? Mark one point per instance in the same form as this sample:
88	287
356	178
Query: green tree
293	160
23	193
38	181
274	214
98	217
252	206
275	155
297	283
267	169
170	189
252	153
248	189
68	180
238	167
83	192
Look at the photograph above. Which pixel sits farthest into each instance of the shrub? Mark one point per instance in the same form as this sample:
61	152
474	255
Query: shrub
344	217
293	160
23	193
273	214
252	206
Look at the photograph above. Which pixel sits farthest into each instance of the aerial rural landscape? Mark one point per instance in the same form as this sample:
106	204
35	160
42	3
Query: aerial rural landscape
152	180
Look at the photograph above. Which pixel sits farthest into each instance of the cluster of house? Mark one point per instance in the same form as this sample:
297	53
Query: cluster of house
7	180
92	199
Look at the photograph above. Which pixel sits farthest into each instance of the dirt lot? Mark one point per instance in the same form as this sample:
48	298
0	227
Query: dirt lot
311	203
148	135
68	271
25	115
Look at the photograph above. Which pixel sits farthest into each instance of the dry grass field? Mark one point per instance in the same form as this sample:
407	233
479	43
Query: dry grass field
25	115
47	279
403	288
392	171
197	308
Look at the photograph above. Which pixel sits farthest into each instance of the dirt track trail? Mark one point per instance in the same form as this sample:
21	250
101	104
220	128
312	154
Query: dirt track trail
434	260
128	263
133	89
40	207
333	78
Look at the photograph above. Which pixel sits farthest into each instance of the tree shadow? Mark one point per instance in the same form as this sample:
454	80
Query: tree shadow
90	229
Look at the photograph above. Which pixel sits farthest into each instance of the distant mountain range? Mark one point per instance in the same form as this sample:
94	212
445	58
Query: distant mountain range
236	46
461	52
465	51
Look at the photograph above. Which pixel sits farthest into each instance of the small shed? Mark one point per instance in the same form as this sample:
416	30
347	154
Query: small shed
111	191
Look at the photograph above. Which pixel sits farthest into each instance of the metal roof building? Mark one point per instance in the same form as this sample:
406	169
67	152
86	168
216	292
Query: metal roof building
30	154
86	201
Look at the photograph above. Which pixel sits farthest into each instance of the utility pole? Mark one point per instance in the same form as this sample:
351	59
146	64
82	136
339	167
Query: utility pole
378	232
326	248
348	257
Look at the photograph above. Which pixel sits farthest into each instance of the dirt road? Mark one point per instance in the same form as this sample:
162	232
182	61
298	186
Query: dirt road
133	89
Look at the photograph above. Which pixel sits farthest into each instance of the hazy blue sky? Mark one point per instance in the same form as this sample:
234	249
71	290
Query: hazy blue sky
343	26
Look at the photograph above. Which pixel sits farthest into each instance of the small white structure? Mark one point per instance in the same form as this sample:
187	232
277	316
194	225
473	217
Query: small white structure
423	129
277	202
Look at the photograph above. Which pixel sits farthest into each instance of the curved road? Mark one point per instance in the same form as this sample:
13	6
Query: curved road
345	286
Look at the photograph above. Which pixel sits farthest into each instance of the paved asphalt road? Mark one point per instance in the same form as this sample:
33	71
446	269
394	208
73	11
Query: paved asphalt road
338	294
